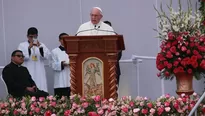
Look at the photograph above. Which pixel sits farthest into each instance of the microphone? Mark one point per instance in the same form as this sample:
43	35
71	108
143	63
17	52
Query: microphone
96	28
84	31
88	30
107	30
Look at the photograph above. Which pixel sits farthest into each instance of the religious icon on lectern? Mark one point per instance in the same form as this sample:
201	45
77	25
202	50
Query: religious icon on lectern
92	77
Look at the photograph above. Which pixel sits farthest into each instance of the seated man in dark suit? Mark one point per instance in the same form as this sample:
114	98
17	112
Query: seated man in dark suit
18	80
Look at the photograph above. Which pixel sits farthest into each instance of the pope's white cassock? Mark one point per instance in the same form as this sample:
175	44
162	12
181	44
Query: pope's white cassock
61	75
101	28
36	65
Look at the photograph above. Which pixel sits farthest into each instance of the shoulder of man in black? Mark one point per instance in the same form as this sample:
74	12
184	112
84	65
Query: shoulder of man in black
7	67
12	65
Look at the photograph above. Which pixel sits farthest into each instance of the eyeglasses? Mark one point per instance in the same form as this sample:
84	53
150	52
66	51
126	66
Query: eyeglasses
20	56
94	15
31	36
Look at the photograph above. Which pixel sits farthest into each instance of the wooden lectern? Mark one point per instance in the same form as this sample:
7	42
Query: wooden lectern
93	64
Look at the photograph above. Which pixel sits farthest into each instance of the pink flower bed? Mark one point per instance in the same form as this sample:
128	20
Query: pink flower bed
97	106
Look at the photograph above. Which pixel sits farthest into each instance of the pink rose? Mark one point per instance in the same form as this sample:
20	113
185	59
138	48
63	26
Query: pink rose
192	39
144	111
113	113
82	99
15	112
63	98
33	98
92	114
166	103
167	74
10	99
50	97
31	113
67	113
183	48
170	35
167	95
158	103
41	99
53	104
74	105
125	109
169	55
169	65
131	104
179	38
97	98
97	105
100	111
188	51
160	110
173	49
85	104
189	71
48	113
32	107
23	105
176	105
202	64
37	110
149	105
158	74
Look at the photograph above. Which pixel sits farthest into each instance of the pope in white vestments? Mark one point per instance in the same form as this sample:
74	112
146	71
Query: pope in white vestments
60	65
95	26
35	54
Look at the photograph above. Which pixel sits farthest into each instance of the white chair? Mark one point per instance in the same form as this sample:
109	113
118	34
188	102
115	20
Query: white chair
4	84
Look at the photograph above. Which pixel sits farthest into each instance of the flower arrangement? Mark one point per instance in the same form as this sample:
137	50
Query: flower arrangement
96	106
182	43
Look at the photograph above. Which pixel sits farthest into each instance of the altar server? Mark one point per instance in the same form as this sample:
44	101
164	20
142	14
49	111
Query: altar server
60	65
35	54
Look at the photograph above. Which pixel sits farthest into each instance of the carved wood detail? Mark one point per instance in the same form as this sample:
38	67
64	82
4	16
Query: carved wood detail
112	59
87	45
73	81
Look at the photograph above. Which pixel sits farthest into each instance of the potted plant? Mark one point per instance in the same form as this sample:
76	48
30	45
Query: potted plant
182	53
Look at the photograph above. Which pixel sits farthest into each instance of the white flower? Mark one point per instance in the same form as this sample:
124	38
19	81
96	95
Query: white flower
175	28
167	109
195	94
182	94
136	110
3	111
152	110
111	100
178	21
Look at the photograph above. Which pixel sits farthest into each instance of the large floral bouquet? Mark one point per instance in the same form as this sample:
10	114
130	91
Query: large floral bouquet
182	43
166	105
